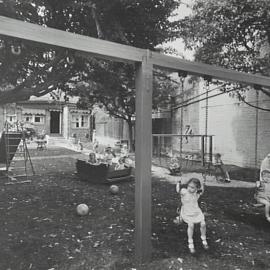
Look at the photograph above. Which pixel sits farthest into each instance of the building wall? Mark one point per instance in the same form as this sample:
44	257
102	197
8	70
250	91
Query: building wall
81	133
28	109
231	122
190	118
233	125
110	129
65	122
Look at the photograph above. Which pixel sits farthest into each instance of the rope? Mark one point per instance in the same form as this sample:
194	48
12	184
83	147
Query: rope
207	83
181	119
182	76
256	131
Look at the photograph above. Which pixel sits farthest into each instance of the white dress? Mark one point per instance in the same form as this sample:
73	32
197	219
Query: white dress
190	210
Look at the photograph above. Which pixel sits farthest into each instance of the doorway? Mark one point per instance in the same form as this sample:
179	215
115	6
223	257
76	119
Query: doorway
55	122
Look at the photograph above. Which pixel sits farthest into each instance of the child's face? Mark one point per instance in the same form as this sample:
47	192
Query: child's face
92	157
192	188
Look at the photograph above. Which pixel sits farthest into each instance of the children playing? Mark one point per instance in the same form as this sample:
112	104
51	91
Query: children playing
262	194
174	166
190	211
92	159
219	165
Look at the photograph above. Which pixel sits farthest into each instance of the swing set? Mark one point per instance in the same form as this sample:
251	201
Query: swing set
144	61
193	148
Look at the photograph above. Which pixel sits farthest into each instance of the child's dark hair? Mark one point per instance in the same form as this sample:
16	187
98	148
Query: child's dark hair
218	155
196	182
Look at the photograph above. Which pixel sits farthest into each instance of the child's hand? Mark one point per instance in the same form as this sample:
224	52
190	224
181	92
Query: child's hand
258	184
178	186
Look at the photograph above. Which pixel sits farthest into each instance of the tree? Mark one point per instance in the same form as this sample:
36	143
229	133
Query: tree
29	69
231	33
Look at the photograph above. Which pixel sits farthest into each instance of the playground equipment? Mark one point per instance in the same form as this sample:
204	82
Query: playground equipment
101	174
193	148
13	146
189	155
145	61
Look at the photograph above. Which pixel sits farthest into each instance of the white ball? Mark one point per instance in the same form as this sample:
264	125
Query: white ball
82	209
114	189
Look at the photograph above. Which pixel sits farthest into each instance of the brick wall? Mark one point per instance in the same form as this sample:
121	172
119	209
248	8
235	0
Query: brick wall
234	126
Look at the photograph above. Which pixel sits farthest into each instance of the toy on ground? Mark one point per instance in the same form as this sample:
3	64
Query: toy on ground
114	189
82	209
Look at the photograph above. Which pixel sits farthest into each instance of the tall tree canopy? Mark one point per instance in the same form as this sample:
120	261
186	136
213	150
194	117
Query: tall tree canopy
35	69
229	33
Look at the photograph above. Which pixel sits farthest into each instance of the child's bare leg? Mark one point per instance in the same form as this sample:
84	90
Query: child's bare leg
190	231
203	234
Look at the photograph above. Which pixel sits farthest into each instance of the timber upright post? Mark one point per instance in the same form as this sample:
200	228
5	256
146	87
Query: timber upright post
143	159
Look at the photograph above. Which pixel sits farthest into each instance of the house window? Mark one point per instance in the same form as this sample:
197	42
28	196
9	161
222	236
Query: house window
84	121
80	121
38	119
28	119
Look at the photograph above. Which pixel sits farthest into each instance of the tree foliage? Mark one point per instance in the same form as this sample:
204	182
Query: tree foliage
28	68
230	33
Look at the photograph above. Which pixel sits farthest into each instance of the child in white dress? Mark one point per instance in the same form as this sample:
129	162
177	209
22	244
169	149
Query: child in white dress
262	194
190	211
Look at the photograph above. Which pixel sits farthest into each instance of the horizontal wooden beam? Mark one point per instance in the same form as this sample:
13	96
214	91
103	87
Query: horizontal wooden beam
114	51
200	69
180	135
98	47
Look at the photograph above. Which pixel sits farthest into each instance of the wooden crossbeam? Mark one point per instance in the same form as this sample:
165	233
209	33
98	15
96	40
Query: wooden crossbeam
119	52
213	71
47	35
181	135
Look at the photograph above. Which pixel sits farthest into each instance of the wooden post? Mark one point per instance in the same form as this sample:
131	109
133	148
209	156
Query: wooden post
159	150
143	158
202	150
210	149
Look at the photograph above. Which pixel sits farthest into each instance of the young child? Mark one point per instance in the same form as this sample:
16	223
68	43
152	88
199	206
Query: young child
109	155
120	165
190	211
220	166
262	194
174	166
92	159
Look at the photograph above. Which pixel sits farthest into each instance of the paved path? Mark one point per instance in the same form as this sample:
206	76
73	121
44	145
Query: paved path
164	175
159	172
75	156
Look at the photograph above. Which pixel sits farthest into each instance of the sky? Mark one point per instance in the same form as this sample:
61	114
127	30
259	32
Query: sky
178	44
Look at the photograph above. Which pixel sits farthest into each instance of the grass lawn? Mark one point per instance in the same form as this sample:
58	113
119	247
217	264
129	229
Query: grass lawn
40	228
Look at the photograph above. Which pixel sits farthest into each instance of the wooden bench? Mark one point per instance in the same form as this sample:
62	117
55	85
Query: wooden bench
102	173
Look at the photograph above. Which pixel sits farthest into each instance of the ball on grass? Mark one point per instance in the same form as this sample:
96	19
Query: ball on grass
82	209
114	189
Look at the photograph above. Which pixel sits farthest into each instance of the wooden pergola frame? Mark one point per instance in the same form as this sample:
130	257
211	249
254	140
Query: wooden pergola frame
144	60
